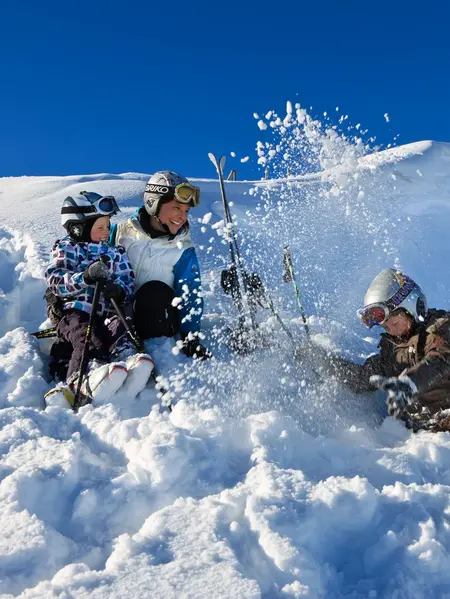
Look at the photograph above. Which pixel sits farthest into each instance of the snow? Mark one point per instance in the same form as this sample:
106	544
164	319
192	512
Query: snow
263	481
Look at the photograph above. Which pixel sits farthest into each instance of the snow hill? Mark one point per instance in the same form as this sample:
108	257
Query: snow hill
262	482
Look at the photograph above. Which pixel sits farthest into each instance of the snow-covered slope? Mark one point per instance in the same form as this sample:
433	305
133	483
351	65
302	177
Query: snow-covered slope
261	482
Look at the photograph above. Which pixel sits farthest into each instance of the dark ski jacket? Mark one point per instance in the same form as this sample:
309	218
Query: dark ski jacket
424	357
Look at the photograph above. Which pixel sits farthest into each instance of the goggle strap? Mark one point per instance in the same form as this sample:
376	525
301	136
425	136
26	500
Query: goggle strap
394	301
78	209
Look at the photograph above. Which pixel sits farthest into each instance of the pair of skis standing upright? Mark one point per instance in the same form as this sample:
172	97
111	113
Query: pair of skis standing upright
246	289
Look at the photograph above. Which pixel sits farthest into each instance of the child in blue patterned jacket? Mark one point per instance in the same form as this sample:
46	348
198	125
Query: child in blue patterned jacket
77	263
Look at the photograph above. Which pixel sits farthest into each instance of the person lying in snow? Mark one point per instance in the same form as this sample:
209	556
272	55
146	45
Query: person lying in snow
413	365
77	263
157	240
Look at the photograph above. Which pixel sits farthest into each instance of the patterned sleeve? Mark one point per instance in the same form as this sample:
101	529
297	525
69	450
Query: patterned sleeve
62	274
123	273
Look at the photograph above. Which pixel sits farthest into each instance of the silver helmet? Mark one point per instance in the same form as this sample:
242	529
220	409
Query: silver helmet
82	208
164	186
395	290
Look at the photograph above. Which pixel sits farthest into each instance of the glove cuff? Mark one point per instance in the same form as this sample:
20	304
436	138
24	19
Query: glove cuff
87	279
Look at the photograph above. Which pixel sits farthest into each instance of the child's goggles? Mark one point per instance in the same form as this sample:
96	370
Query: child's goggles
378	314
106	205
375	314
185	193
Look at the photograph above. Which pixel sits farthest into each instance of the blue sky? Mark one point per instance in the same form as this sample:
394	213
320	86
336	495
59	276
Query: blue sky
107	86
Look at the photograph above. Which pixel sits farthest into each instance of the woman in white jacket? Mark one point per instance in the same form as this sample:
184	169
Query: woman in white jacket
157	240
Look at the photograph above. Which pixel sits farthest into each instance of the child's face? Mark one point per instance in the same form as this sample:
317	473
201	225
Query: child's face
398	324
100	229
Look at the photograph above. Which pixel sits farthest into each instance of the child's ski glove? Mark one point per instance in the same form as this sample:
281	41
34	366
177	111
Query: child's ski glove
96	272
113	291
402	392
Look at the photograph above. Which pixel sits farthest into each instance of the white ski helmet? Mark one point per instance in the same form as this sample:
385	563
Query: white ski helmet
80	210
164	186
392	290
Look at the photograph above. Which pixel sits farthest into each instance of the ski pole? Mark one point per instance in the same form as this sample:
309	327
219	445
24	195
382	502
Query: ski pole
139	346
131	332
288	277
87	341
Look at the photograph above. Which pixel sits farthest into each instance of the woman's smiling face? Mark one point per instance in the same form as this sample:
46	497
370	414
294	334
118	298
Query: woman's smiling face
174	215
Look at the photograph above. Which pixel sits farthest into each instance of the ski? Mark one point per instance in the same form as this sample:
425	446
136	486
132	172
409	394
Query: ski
45	333
235	281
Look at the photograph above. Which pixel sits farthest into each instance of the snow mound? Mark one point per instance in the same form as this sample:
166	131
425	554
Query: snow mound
196	503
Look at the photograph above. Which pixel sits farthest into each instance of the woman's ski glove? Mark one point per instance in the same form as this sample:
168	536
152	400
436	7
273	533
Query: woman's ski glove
113	291
192	348
402	392
95	272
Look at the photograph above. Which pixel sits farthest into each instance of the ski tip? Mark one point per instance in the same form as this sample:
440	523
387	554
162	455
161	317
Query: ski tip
219	164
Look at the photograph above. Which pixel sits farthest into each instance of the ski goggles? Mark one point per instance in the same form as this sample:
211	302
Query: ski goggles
375	314
378	314
106	206
185	193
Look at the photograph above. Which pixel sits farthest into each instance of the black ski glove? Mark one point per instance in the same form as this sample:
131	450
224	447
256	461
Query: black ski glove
95	272
192	348
113	291
402	392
